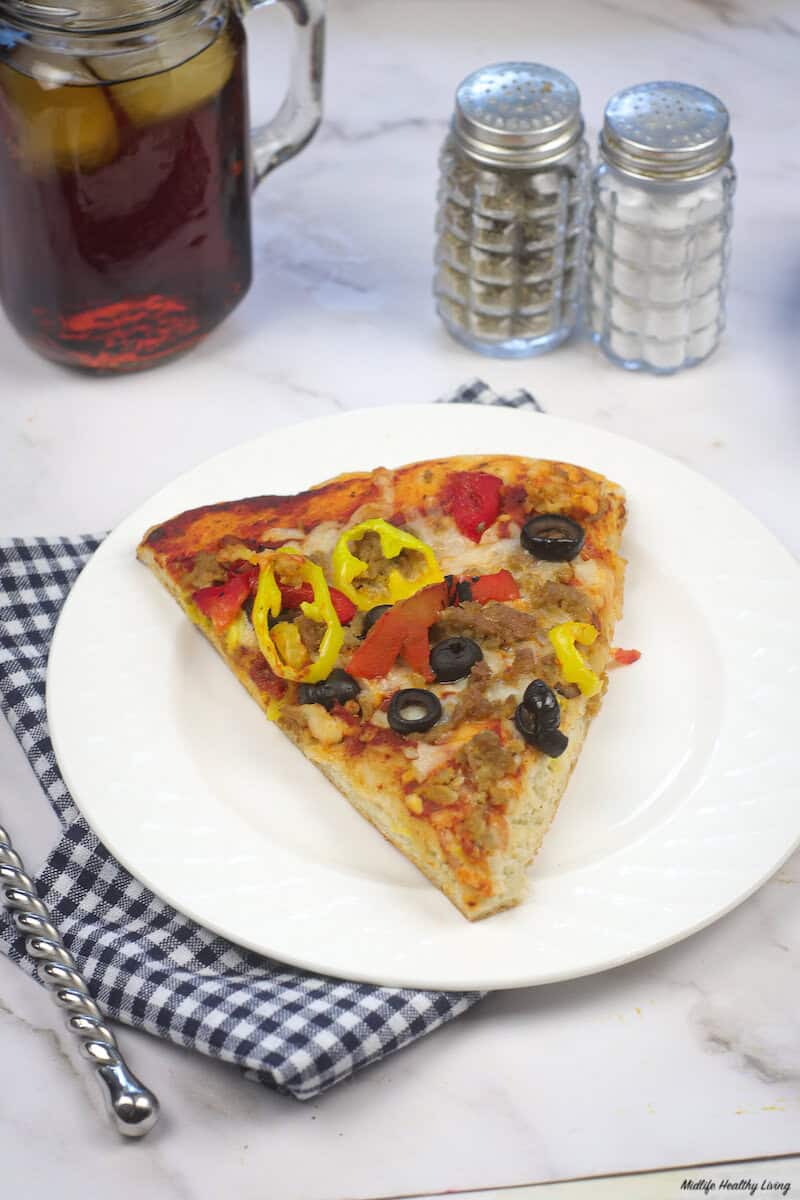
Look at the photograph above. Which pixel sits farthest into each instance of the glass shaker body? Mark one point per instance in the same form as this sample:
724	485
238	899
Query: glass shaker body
512	209
659	268
660	226
509	251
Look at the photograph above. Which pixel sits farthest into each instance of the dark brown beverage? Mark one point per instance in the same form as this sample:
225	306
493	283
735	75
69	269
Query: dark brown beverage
125	209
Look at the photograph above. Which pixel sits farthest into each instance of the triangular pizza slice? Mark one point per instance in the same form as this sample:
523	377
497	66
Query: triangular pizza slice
434	638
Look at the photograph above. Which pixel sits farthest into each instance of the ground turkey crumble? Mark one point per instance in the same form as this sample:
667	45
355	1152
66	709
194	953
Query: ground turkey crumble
464	802
499	624
369	550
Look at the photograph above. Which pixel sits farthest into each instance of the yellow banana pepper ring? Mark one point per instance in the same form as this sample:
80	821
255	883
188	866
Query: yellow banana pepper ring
347	567
268	603
575	670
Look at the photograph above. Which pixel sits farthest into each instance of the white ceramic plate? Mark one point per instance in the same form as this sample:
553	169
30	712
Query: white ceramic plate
683	803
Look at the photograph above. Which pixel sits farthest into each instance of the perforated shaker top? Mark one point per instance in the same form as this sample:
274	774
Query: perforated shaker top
517	114
666	131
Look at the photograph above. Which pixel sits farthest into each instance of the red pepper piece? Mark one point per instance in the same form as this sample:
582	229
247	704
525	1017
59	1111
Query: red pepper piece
416	650
500	586
345	609
222	602
625	657
248	571
473	500
293	597
401	630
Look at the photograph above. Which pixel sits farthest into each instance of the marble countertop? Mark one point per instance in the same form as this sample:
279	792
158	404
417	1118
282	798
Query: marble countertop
688	1056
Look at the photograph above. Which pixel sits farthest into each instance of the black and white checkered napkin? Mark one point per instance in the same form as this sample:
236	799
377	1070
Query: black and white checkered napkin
145	963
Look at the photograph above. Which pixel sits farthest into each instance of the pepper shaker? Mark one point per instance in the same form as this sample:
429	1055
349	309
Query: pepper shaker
662	199
512	210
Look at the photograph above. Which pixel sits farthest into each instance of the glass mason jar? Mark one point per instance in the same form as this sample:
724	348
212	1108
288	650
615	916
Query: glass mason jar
126	169
512	206
662	207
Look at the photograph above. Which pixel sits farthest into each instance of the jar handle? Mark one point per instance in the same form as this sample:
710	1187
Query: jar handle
298	117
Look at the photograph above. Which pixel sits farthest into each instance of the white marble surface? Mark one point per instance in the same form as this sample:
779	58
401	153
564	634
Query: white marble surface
690	1056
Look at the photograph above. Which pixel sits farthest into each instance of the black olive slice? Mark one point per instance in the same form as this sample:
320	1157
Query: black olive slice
372	616
454	657
552	537
464	591
551	742
411	700
526	723
541	700
338	688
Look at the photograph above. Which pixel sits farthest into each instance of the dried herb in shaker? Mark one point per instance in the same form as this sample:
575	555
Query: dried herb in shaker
512	210
660	227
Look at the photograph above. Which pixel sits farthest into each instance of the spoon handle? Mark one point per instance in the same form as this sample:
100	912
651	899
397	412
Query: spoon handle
132	1107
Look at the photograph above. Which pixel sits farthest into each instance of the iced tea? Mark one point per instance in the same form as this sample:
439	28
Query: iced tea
125	208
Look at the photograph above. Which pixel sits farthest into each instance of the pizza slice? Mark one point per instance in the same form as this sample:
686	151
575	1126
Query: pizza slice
434	638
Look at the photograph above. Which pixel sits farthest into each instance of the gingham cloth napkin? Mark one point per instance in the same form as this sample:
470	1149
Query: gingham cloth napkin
145	963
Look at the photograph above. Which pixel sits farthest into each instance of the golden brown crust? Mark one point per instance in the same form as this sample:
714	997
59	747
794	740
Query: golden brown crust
370	765
549	487
251	519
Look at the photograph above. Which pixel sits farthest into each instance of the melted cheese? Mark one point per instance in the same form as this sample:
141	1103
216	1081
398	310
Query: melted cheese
429	759
321	725
456	554
499	689
321	539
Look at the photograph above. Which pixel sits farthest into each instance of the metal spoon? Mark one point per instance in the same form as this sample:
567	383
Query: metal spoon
132	1107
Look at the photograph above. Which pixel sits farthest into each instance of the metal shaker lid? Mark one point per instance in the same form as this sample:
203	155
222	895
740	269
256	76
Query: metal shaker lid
517	114
666	131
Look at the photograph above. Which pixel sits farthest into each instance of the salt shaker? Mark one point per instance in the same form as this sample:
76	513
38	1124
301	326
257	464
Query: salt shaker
512	211
662	198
